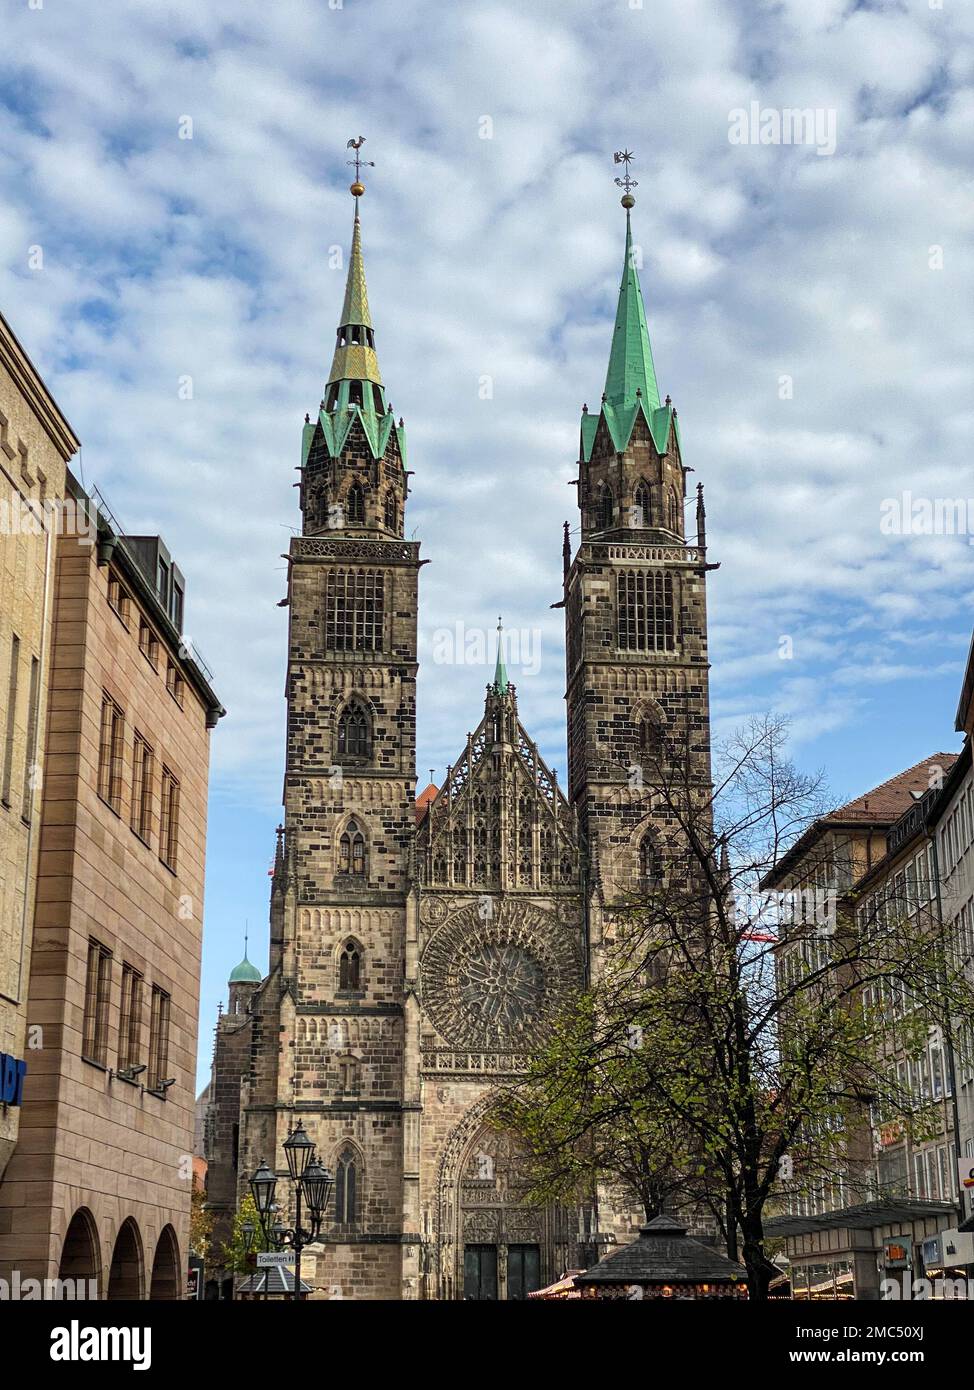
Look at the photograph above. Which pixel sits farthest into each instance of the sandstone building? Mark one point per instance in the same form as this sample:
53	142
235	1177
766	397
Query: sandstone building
418	950
98	1187
36	443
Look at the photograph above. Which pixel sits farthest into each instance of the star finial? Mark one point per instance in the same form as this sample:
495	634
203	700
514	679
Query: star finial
623	157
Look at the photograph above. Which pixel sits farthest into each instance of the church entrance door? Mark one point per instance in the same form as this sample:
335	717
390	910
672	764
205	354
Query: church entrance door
480	1273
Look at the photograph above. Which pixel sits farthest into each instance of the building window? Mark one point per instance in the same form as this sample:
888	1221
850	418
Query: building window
175	683
110	753
141	811
355	611
351	851
604	509
30	758
641	512
169	819
346	1173
164	583
118	599
645	610
8	742
350	966
355	505
149	644
354	733
177	606
650	737
672	513
651	865
158	1039
130	1018
391	517
98	983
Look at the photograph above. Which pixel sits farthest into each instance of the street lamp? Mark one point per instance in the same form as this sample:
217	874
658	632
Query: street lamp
317	1185
312	1182
299	1151
262	1186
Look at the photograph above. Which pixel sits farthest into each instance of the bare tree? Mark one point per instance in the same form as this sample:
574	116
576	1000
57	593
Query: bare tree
728	1048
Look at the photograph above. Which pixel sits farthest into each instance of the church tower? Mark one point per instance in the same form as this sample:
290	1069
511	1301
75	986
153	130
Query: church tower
328	1021
636	624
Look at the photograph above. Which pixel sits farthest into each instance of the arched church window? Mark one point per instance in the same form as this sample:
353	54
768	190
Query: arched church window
672	512
351	851
650	736
354	733
346	1184
641	505
390	510
355	393
355	505
350	966
604	509
651	864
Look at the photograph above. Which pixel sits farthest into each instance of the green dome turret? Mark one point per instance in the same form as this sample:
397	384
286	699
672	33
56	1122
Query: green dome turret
246	973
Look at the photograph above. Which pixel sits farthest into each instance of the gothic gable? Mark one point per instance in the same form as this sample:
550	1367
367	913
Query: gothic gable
500	821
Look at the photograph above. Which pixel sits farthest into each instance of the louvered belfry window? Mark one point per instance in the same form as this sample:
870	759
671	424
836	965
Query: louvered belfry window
355	611
645	611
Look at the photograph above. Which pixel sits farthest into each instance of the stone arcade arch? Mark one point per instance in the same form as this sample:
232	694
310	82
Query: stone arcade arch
126	1277
165	1282
80	1260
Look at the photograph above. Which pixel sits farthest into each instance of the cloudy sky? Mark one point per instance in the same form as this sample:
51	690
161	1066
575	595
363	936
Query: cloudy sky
809	310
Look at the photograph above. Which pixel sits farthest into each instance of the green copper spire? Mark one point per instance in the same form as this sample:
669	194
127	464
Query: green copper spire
631	359
500	670
355	358
631	389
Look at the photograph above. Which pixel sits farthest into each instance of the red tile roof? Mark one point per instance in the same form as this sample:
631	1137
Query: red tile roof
425	799
879	807
890	799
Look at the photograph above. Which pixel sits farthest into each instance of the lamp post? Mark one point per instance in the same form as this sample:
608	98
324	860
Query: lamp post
311	1181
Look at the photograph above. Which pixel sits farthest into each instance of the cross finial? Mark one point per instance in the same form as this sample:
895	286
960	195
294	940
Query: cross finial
623	157
358	187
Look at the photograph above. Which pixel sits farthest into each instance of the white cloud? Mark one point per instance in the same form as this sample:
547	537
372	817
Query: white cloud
501	256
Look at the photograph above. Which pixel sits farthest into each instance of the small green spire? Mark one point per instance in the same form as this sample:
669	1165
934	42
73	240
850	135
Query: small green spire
246	973
631	359
500	670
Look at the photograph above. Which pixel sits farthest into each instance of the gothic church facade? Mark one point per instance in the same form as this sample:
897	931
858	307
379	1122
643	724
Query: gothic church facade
419	949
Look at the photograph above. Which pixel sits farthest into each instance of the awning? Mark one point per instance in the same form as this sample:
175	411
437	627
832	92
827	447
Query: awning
884	1212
